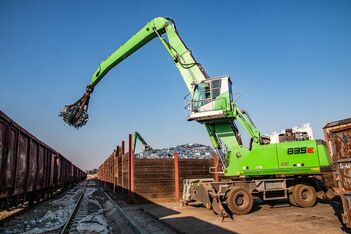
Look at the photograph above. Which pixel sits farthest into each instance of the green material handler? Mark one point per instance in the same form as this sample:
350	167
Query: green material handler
288	170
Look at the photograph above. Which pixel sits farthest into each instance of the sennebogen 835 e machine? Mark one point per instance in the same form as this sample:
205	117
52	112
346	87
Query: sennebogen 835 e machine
289	170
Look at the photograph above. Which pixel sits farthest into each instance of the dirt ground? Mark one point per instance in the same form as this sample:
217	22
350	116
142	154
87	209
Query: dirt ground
323	218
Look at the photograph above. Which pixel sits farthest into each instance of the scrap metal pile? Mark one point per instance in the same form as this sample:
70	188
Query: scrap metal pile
187	151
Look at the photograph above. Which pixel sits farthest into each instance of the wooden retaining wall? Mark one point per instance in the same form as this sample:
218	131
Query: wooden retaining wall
156	180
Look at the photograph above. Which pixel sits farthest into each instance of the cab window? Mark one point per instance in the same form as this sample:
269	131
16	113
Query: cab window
216	88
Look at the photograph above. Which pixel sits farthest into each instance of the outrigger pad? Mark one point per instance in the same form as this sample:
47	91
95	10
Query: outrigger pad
211	200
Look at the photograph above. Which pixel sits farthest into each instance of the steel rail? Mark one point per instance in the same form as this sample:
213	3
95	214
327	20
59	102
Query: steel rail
64	229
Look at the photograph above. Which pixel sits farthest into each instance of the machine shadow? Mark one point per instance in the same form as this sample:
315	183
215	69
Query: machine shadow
184	224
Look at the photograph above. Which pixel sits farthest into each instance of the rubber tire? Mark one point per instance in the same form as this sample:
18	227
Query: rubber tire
291	197
300	191
244	195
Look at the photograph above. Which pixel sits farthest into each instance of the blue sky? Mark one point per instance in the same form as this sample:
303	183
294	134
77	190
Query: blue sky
289	60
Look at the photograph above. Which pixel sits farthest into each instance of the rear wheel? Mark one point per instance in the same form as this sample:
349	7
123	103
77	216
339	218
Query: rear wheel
239	201
304	195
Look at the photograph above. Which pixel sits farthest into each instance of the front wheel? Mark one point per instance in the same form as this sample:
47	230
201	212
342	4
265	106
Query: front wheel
239	201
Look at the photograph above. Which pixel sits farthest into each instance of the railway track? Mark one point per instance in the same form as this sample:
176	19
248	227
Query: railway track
42	217
85	208
94	212
6	216
69	226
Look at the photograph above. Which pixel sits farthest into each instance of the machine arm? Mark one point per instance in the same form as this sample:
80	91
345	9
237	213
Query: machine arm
245	121
181	55
211	99
191	71
137	136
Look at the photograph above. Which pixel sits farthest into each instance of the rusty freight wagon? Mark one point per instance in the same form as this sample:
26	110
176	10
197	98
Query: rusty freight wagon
30	169
338	137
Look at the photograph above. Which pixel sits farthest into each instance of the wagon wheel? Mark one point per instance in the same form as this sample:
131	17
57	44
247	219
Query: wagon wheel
304	195
239	201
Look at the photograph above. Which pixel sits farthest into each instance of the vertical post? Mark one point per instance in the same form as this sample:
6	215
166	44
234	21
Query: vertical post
117	171
105	165
110	170
131	170
123	150
176	175
214	156
113	170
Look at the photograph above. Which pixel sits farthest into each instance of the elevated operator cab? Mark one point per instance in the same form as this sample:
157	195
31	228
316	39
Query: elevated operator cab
210	100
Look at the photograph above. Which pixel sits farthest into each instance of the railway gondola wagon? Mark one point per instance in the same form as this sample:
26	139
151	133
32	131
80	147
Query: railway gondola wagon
29	169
